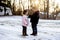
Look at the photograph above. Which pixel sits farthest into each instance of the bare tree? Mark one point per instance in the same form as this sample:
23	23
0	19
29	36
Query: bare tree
13	7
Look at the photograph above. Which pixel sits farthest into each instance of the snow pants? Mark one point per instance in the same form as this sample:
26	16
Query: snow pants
34	28
24	30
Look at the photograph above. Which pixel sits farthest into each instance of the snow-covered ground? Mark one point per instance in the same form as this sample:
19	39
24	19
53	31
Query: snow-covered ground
11	29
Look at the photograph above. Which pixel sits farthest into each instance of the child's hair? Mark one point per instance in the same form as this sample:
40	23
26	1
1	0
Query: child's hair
24	11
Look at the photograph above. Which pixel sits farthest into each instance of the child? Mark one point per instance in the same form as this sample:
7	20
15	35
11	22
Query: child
25	22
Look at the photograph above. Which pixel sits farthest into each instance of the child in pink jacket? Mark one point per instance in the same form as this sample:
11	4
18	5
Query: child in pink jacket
25	23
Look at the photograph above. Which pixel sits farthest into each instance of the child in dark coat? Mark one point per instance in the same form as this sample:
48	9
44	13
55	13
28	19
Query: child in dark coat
34	21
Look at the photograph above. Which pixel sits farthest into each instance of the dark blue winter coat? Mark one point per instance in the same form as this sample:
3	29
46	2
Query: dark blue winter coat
35	17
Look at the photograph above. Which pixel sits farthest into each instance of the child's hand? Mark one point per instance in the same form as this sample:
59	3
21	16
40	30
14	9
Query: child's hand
26	24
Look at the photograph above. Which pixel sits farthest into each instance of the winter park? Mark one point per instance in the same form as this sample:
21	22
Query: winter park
29	19
11	29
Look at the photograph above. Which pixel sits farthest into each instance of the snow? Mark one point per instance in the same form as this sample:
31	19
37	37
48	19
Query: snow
11	29
1	10
8	10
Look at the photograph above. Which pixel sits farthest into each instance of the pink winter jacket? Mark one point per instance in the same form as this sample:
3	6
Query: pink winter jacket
24	20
